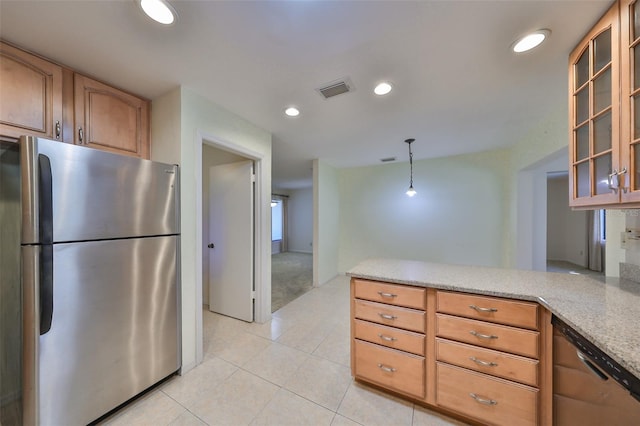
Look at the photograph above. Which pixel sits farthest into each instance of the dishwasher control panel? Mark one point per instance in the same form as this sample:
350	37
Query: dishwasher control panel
599	358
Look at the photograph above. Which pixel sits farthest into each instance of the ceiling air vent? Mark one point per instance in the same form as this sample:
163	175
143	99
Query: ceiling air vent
336	88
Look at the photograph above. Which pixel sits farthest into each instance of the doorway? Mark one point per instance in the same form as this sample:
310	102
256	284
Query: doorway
212	158
292	245
575	238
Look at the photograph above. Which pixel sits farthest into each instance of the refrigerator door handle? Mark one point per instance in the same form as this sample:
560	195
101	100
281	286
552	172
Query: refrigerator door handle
45	205
46	288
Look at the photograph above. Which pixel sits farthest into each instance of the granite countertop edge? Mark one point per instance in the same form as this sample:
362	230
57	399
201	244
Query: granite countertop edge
603	311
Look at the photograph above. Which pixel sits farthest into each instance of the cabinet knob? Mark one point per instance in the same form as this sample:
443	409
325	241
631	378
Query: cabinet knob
57	129
80	135
210	245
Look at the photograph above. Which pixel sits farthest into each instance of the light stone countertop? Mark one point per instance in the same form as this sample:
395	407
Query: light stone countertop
605	312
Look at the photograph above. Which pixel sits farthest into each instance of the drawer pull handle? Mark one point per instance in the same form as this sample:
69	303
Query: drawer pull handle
387	369
481	362
387	316
480	309
387	338
483	336
383	294
482	400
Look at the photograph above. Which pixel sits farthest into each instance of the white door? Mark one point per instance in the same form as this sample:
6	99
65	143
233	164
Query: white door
231	240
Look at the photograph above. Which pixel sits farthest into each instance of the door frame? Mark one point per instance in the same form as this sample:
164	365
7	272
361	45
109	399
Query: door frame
262	287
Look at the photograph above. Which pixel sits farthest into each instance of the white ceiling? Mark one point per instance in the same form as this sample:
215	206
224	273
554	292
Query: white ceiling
458	88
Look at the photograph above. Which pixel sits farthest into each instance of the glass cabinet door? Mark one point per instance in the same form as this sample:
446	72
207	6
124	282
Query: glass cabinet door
630	98
594	115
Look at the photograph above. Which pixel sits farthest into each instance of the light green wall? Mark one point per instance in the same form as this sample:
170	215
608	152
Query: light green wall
545	139
196	118
326	222
457	215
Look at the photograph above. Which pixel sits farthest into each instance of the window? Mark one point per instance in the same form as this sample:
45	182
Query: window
276	220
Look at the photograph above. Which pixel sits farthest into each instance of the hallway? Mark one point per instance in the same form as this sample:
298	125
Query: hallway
291	277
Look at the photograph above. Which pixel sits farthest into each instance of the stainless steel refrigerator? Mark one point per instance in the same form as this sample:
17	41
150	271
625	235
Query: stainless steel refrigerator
89	281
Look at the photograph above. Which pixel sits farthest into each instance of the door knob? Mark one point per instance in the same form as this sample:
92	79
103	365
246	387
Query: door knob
210	245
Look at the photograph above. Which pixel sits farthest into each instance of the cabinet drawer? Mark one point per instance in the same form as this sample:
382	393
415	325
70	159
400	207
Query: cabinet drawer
409	319
494	336
393	294
390	368
486	308
390	337
501	364
491	400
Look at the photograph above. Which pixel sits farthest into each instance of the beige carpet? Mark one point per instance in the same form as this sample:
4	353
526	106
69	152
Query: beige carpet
291	277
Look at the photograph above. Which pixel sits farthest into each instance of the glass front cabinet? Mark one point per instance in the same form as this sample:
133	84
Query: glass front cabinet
604	112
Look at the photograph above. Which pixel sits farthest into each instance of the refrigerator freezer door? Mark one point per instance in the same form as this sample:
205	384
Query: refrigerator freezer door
114	329
94	194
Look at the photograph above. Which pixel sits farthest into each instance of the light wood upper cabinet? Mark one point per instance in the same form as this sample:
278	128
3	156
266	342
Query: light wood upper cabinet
30	95
630	98
604	112
110	119
594	115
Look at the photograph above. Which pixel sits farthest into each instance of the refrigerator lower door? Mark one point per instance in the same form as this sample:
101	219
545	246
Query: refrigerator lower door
114	326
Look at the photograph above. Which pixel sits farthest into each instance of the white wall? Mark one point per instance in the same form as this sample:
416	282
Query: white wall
632	221
457	215
210	157
531	210
566	228
326	222
196	118
300	220
614	254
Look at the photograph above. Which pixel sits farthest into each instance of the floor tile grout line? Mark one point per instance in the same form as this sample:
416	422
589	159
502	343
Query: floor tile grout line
186	408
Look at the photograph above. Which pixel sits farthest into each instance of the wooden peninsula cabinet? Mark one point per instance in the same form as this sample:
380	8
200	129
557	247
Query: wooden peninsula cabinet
42	98
485	359
604	112
388	327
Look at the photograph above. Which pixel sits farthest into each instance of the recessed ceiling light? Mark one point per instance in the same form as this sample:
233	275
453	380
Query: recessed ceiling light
382	88
159	10
530	41
292	111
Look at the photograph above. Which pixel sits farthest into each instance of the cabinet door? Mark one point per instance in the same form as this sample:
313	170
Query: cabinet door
110	119
630	98
31	101
594	115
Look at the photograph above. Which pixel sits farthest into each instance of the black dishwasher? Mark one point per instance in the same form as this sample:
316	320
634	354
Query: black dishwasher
589	388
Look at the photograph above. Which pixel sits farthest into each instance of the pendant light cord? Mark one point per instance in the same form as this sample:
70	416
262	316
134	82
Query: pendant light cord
410	167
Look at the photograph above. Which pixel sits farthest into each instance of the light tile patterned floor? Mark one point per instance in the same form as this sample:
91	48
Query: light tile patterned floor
293	370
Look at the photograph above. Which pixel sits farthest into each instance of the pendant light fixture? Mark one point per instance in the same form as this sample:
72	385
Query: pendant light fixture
410	192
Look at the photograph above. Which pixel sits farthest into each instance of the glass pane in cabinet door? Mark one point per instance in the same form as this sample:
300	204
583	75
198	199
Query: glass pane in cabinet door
582	69
582	105
636	117
582	179
636	166
602	91
635	21
636	66
602	50
603	170
602	133
582	142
